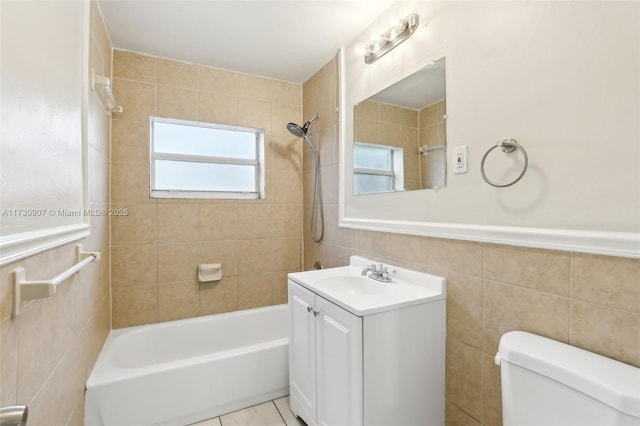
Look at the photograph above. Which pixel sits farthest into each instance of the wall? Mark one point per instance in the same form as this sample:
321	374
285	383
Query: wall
33	136
589	301
546	92
47	353
156	248
522	70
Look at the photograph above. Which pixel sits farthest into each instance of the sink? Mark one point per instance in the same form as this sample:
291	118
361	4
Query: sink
353	285
346	287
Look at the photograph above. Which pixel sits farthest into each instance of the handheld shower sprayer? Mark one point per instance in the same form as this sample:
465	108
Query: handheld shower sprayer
308	123
301	131
317	231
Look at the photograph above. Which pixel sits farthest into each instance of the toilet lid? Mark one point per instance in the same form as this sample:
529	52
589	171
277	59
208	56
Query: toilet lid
612	382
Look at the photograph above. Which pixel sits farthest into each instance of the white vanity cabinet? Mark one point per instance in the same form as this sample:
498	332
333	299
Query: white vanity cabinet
325	360
371	365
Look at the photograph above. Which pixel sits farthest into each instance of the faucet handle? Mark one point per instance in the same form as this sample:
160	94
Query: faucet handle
368	268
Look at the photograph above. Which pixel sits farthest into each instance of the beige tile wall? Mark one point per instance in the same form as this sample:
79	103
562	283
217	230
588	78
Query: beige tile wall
432	131
589	301
157	247
47	353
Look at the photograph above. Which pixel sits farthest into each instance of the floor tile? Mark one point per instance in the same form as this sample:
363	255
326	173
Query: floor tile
289	418
210	422
259	415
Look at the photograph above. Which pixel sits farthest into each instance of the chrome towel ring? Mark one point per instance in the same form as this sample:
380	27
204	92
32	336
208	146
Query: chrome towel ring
508	146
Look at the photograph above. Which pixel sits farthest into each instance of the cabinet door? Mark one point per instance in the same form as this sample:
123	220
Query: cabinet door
339	364
302	353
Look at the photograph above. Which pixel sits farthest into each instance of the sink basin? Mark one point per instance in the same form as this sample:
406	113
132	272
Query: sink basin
346	287
353	285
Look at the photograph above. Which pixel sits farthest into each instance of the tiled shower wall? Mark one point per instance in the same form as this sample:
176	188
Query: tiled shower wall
47	353
433	169
589	301
156	248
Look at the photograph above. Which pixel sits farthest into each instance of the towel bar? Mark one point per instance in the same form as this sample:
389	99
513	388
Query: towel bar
105	95
508	146
26	290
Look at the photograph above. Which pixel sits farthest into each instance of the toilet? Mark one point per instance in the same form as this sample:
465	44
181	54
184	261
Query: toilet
545	382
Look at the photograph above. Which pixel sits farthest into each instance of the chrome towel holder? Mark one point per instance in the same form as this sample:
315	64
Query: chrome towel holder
508	146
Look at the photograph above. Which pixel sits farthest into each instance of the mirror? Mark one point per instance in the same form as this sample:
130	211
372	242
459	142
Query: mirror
400	135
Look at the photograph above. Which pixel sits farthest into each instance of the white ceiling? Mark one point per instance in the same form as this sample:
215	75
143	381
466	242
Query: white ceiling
422	88
288	39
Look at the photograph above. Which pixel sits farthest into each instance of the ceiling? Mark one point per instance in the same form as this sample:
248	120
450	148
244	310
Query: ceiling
287	40
422	88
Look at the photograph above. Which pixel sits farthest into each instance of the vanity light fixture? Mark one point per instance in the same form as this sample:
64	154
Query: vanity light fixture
401	31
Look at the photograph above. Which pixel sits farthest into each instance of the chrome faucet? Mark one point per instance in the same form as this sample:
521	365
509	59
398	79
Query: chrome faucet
14	415
374	273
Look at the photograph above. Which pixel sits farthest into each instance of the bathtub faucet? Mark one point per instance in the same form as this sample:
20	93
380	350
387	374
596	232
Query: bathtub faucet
374	273
14	415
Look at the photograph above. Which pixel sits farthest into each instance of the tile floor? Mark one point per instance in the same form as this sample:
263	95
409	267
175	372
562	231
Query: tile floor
272	413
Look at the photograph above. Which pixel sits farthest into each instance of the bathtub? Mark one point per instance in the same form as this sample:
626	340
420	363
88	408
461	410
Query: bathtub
185	371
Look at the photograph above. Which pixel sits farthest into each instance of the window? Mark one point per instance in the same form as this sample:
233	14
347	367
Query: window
204	160
377	168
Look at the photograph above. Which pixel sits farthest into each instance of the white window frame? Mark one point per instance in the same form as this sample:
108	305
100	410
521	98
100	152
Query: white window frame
396	172
258	163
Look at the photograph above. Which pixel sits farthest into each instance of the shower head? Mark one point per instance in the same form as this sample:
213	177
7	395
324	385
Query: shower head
316	209
298	131
301	132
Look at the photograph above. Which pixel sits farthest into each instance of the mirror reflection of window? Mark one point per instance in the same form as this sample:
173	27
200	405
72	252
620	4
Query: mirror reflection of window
377	168
408	115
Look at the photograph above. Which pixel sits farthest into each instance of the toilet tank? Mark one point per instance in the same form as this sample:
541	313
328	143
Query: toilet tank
545	382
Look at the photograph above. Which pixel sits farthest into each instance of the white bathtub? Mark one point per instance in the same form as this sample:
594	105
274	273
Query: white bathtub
181	372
